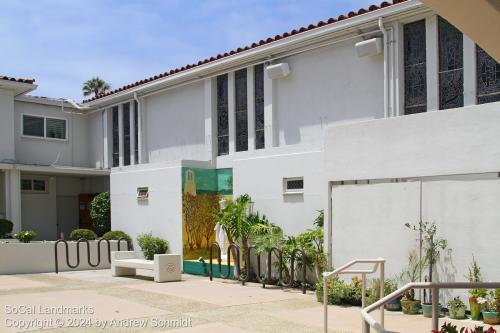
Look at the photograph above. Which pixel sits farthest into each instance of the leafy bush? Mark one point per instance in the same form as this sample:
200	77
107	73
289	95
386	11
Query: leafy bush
82	233
152	245
25	236
340	293
449	328
100	210
116	235
5	228
390	286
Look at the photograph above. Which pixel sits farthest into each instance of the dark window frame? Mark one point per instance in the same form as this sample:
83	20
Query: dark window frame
259	106
222	106
241	109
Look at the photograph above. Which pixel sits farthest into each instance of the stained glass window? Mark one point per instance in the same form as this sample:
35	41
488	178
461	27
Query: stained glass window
126	134
116	143
488	77
415	68
451	66
222	116
259	106
241	112
136	132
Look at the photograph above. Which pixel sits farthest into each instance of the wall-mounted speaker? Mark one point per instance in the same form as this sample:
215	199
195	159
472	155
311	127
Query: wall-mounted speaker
369	47
278	71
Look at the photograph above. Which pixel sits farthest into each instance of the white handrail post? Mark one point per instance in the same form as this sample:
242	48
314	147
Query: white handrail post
435	308
382	290
325	303
363	291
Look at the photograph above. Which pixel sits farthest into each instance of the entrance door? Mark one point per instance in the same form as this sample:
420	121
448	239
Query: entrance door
84	201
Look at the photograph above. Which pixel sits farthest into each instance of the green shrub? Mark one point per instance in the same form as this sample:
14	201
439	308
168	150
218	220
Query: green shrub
82	233
152	245
116	235
100	210
25	236
5	228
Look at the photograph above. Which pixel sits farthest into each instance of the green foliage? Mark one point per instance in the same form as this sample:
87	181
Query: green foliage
116	235
95	86
449	328
82	233
234	219
412	272
455	304
152	245
5	228
390	286
341	293
100	212
475	275
265	236
25	236
319	221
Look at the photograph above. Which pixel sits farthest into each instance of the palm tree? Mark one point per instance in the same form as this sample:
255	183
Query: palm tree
96	85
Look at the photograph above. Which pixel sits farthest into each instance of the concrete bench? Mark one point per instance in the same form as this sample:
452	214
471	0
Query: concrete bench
166	267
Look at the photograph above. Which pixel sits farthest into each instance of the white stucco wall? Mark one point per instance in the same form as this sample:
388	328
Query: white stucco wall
6	125
175	124
71	152
161	214
95	143
368	220
262	179
324	87
2	196
458	141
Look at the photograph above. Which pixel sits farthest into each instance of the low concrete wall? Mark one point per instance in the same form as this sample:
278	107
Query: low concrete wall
39	257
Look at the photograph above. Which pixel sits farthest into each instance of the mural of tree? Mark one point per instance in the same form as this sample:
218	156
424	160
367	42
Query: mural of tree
199	218
188	214
209	205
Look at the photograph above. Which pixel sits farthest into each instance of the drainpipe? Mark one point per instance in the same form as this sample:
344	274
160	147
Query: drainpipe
386	60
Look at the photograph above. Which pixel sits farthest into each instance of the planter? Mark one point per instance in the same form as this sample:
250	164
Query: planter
458	313
491	318
394	305
427	309
410	307
475	309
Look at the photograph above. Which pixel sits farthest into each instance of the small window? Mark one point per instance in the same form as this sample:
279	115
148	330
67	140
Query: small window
293	185
55	128
34	185
33	126
142	193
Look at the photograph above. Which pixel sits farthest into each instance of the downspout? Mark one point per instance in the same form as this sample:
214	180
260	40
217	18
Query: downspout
386	81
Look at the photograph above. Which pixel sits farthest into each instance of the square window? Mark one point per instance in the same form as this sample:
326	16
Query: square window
33	126
39	185
142	193
293	185
26	185
55	128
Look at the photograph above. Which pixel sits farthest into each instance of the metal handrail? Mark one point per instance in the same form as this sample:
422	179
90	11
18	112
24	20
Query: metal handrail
369	321
379	262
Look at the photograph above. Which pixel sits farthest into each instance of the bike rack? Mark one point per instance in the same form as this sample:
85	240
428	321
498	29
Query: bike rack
261	279
82	240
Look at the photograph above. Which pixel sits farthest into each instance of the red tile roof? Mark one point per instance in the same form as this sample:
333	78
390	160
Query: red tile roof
8	78
248	47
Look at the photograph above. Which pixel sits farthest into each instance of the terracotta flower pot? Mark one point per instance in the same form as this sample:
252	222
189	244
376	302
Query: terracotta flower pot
410	307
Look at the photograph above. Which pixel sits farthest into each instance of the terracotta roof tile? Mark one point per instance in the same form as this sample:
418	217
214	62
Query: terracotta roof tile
8	78
248	47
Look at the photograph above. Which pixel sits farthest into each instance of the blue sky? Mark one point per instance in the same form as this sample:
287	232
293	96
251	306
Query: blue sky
62	43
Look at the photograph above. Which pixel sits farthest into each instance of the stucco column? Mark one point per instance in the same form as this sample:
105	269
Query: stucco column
251	107
210	89
327	223
13	207
231	106
432	62
132	132
270	134
120	135
107	137
469	71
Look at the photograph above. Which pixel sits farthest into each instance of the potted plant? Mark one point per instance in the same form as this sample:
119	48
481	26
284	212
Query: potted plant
390	286
474	294
491	307
409	304
432	247
456	308
25	236
151	245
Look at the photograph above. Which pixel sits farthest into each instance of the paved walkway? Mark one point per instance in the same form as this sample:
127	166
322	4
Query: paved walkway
93	301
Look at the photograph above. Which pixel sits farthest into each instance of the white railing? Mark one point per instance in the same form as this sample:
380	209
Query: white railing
369	321
379	262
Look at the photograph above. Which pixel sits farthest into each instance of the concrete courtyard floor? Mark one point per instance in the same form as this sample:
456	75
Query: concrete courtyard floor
93	301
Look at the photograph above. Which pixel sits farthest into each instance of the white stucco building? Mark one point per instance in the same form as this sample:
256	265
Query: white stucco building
383	116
